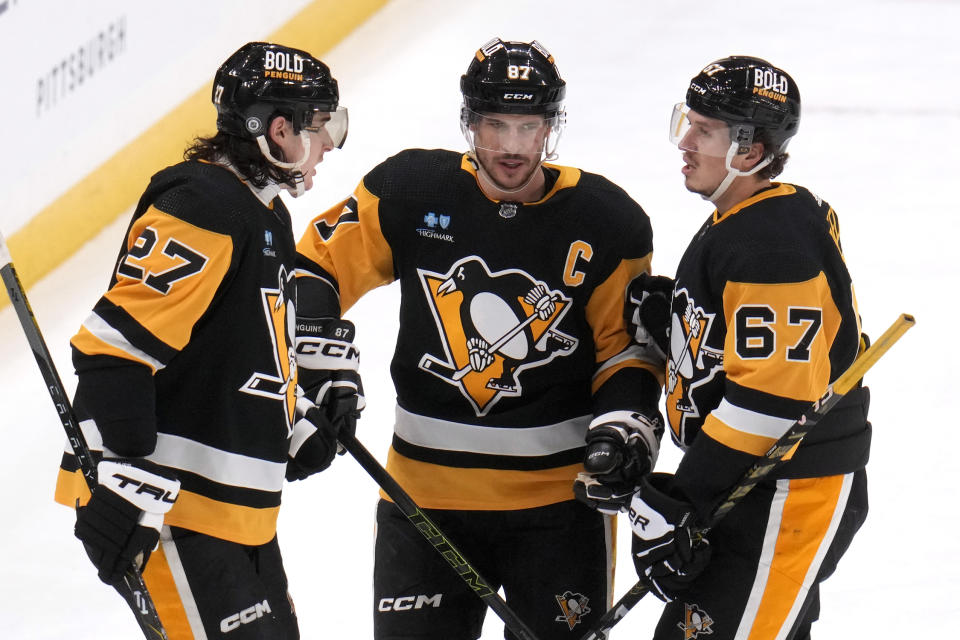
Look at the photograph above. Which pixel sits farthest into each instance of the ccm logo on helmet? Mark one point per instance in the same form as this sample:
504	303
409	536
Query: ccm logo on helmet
246	616
518	96
406	603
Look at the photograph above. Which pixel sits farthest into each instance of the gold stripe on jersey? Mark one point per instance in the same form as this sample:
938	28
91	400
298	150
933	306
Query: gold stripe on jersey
170	308
604	313
97	337
223	520
434	486
244	525
786	331
781	189
745	430
356	247
803	521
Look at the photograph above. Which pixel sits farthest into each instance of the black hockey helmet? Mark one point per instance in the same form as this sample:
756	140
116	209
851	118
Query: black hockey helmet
513	77
262	80
742	90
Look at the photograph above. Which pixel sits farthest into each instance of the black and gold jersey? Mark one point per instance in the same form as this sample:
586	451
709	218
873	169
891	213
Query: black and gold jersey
764	317
200	307
511	331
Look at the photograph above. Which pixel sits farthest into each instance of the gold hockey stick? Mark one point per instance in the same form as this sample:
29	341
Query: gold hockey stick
774	455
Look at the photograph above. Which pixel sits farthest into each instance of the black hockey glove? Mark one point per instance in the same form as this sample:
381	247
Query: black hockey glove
328	370
314	442
120	525
622	448
647	313
668	551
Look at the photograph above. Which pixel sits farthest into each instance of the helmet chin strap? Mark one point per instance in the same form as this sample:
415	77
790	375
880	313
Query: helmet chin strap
298	188
732	173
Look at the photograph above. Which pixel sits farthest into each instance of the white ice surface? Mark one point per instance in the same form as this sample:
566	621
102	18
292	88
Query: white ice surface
880	122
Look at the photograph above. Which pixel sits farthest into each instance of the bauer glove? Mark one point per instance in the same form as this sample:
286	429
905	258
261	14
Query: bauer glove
120	525
668	551
622	447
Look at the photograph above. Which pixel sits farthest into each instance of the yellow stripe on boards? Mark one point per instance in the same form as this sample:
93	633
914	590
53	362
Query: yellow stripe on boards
59	230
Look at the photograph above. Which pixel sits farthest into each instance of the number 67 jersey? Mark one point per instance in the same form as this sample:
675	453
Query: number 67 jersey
763	318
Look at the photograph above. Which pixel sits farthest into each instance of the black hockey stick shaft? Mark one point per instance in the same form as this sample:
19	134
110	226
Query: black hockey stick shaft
773	457
436	537
135	594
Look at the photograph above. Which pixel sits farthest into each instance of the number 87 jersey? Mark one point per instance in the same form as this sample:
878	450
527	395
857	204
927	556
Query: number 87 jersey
763	318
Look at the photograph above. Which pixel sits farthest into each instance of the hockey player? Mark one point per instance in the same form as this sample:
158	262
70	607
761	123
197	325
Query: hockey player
763	317
511	346
187	380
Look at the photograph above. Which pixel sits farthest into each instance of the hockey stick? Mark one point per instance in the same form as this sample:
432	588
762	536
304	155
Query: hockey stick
443	370
766	463
436	537
135	594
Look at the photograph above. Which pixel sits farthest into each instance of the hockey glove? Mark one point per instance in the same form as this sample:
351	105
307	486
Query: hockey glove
622	448
668	551
314	441
647	313
120	525
328	370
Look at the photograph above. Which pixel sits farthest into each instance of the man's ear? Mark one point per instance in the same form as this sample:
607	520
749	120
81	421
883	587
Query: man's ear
279	130
753	157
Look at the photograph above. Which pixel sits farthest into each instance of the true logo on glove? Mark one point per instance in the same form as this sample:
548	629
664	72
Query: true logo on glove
148	489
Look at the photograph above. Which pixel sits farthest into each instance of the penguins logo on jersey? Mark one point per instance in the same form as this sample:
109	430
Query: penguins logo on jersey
695	623
691	361
492	326
574	607
278	307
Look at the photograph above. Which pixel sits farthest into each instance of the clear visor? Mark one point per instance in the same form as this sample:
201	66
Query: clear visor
694	132
511	133
332	124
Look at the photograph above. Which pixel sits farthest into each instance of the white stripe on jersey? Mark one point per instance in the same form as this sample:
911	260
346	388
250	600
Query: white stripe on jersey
633	352
218	465
214	464
545	440
99	327
758	424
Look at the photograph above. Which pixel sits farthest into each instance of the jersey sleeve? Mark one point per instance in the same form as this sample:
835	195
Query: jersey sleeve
166	277
624	378
342	255
782	338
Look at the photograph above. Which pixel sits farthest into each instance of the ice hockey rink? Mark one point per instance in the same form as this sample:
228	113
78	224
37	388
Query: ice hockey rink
878	139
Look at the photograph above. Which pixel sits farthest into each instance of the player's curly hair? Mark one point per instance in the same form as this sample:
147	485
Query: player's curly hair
243	154
776	165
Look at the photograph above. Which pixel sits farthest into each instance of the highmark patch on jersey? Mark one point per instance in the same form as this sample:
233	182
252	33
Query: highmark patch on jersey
691	363
493	326
278	308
